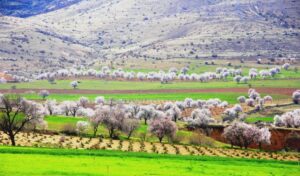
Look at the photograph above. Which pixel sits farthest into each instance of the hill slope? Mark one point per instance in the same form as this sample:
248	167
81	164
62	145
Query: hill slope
157	29
26	8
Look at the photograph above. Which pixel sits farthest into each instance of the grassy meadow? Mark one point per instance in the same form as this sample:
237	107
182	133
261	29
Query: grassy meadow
147	85
39	161
224	96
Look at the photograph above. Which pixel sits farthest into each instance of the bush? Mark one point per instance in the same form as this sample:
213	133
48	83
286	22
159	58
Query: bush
292	141
143	136
177	139
199	139
69	129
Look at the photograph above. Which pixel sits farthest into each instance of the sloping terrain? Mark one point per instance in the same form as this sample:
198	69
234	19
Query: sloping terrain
28	46
97	29
26	8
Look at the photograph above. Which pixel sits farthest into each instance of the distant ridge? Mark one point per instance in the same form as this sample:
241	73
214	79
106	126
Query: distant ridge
27	8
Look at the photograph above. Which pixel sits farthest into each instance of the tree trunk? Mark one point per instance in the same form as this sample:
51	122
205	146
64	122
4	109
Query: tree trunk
95	132
160	139
12	139
145	121
111	133
129	135
260	146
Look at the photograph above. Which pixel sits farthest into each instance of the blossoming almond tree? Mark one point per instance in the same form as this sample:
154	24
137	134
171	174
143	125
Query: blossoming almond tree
242	134
162	127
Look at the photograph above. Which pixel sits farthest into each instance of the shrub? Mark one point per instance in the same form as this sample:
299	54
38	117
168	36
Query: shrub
296	97
198	138
292	141
69	129
81	127
44	93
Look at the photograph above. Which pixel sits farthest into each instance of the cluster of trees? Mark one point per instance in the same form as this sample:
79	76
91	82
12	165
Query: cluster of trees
128	116
221	73
233	113
200	119
126	119
243	135
145	112
119	117
289	119
254	99
272	72
116	117
165	77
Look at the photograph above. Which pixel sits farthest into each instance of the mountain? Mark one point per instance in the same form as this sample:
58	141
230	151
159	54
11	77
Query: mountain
27	8
95	29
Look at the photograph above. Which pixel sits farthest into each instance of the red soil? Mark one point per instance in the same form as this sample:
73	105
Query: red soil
278	138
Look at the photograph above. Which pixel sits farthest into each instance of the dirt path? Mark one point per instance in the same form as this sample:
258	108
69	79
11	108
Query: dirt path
280	91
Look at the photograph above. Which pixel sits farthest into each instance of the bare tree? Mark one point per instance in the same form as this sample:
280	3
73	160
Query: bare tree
16	112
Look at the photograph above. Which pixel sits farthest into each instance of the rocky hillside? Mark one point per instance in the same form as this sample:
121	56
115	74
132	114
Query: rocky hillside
94	29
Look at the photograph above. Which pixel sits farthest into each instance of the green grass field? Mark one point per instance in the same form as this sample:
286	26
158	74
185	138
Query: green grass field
256	119
129	85
212	68
228	96
16	161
